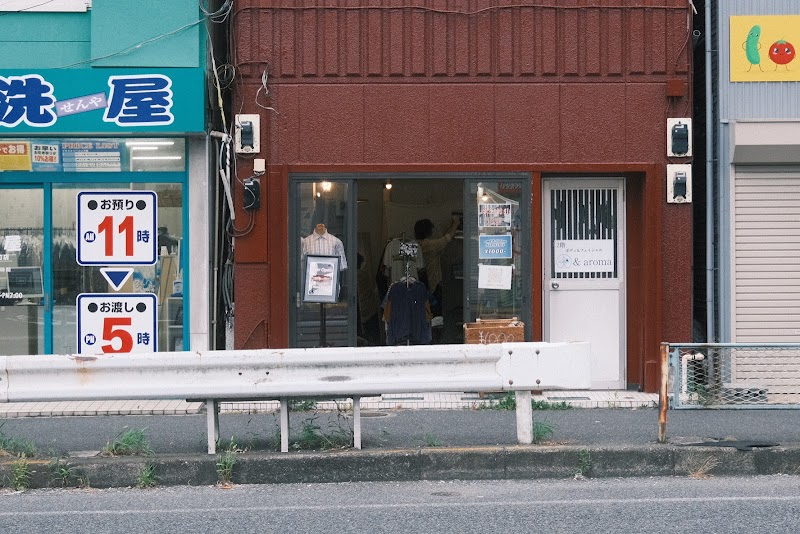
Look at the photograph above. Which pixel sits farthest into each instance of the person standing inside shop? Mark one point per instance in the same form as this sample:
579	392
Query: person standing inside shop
432	248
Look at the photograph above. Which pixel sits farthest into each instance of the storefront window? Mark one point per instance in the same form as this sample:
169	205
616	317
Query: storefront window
21	289
41	180
322	288
497	288
164	279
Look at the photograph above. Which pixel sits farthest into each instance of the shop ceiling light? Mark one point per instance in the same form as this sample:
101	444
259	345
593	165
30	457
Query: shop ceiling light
326	186
149	143
388	184
157	157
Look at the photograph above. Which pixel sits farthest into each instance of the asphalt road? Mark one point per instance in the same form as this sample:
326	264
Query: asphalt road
668	504
415	428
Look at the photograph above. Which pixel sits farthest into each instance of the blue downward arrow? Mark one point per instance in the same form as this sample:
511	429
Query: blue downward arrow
116	277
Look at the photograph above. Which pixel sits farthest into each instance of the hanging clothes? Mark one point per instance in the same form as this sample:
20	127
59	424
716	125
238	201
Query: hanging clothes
407	313
397	262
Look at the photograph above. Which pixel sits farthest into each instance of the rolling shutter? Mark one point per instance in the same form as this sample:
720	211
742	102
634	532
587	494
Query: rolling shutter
766	256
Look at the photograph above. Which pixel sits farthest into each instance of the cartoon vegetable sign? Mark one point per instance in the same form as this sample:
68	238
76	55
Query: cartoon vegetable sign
751	47
781	53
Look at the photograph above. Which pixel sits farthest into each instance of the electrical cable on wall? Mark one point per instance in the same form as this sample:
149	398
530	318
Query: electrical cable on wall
264	79
466	12
135	47
220	15
221	78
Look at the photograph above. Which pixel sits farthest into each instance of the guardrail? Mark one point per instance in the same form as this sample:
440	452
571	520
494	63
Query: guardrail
284	374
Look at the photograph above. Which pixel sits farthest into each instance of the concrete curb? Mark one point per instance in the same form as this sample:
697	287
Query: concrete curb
462	463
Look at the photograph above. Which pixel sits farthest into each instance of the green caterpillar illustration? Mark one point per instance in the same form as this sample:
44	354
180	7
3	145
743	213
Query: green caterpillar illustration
752	46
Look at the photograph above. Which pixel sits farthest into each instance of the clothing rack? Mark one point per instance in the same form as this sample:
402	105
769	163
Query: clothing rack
28	230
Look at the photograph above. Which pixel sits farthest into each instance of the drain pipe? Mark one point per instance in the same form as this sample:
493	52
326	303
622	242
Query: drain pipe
710	151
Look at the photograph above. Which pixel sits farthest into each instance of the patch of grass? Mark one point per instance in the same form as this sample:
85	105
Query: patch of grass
147	477
584	462
226	460
21	473
15	446
509	402
506	402
547	405
432	441
131	442
61	473
225	464
542	430
313	437
231	445
302	405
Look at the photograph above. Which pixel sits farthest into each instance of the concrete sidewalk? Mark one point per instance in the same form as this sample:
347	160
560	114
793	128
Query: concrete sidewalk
425	444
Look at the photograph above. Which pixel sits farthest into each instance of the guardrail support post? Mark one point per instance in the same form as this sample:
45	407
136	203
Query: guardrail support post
524	417
284	424
212	424
357	422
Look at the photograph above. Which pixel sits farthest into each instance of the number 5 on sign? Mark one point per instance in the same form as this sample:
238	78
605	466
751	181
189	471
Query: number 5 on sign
117	228
110	323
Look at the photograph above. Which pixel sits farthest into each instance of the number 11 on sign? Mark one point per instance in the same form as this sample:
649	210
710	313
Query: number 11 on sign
117	228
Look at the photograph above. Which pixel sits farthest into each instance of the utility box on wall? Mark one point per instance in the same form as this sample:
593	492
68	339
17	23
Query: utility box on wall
679	184
679	138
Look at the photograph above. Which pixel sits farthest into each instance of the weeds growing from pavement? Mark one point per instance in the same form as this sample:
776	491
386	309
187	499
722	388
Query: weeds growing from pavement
699	467
547	405
302	405
432	441
226	461
21	473
313	437
147	477
509	402
542	430
231	445
15	446
61	473
338	434
584	462
131	442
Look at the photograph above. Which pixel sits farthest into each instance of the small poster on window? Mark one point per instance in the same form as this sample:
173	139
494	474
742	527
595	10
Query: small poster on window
494	247
494	276
494	215
322	279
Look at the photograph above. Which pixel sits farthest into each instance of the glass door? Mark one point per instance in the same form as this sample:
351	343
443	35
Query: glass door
22	277
497	244
322	263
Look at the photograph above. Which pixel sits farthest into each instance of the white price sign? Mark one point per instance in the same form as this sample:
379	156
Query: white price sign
109	323
117	228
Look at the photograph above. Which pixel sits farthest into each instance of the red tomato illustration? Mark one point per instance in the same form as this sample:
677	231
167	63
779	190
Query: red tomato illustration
781	52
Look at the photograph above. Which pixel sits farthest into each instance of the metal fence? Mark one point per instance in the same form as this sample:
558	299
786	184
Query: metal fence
734	375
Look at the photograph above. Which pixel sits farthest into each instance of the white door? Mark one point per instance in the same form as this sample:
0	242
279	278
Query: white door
584	271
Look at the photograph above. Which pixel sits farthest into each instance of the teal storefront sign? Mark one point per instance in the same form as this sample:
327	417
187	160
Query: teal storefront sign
118	101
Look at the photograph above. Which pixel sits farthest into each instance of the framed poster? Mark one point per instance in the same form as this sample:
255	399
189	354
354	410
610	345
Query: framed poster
322	279
494	215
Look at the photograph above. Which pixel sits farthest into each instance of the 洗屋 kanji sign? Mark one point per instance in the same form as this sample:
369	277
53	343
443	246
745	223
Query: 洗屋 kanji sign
117	228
